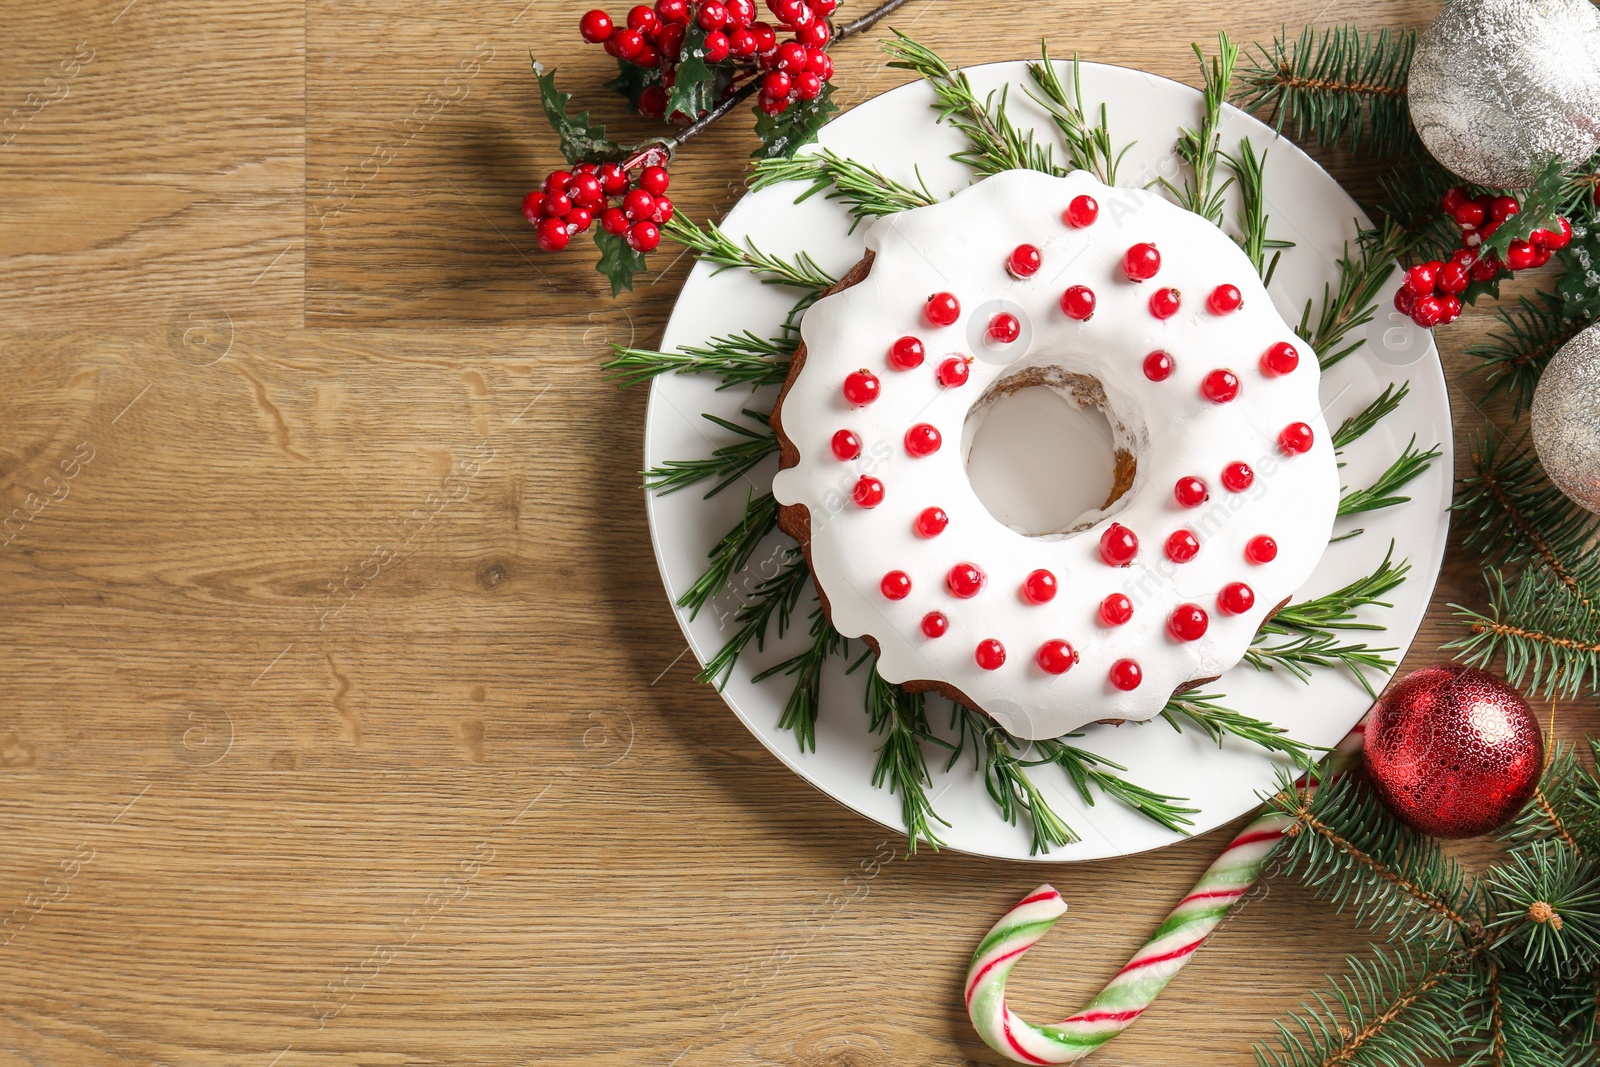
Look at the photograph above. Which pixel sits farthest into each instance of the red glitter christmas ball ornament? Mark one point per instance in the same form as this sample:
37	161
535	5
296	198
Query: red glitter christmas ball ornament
1454	751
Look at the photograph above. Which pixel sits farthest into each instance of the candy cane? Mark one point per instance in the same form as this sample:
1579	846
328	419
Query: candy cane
1137	985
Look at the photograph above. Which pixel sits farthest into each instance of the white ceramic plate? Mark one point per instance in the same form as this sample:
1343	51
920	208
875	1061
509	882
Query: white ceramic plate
896	134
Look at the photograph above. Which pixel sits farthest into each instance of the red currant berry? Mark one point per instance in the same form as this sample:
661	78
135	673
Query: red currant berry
1236	598
824	7
1191	492
1220	386
1081	212
1503	207
1182	546
556	184
647	57
846	445
789	12
741	12
1238	477
906	353
1296	439
1469	216
773	107
1118	545
1281	359
1189	622
1056	657
953	372
1141	262
644	237
1126	675
553	235
673	11
991	655
1004	328
776	85
1024	262
533	207
1453	277
614	221
932	522
766	39
896	585
1078	302
1116	609
655	180
1261	549
1158	366
1165	303
596	27
1225	299
942	309
1486	269
613	178
1040	587
964	581
934	624
923	440
639	204
1519	256
1422	278
1464	256
868	492
861	387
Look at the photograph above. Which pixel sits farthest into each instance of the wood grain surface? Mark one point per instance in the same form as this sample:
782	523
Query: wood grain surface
344	720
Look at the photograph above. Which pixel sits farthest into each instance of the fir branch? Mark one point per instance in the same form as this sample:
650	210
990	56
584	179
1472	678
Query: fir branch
1087	769
1321	650
994	143
1360	424
1201	148
902	767
711	244
1339	85
1546	901
1337	610
1089	145
1413	192
1411	464
1580	265
1549	197
1515	354
728	463
1249	172
1217	722
800	711
730	554
1355	302
741	359
865	192
1006	778
774	597
1564	808
1548	637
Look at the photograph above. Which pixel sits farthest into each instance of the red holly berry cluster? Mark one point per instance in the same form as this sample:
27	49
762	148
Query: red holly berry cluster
629	204
653	39
1431	294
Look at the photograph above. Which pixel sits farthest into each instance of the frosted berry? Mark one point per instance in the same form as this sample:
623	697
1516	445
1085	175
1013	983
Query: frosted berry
556	184
639	204
1081	212
906	353
1189	622
1004	328
965	581
614	221
713	15
644	20
1040	587
861	387
1470	216
1238	477
1236	598
1220	386
1261	549
1141	262
533	206
663	212
1452	306
596	27
1116	609
626	44
896	585
1282	358
942	309
1225	299
931	522
1190	492
953	372
846	445
1056	657
655	180
1182	546
1165	303
1078	302
644	237
586	191
807	86
934	624
1024	262
776	85
1422	278
1428	311
1126	674
553	236
1296	439
923	440
1519	256
1553	240
1503	207
1404	300
558	205
868	492
1118	545
579	219
991	655
1158	366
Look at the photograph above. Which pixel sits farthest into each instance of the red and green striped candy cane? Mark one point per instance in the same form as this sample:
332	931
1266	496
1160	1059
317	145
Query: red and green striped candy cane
1137	985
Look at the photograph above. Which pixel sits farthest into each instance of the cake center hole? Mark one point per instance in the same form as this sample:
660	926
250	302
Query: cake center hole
1041	463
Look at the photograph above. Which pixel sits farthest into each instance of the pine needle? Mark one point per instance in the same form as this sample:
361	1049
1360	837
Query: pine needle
865	192
1548	638
1411	464
741	359
1006	778
1516	353
728	463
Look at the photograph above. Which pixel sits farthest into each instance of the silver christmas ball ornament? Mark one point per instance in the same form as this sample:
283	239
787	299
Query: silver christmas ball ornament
1566	419
1499	87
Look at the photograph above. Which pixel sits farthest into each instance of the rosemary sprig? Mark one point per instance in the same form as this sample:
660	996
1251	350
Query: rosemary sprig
1217	722
730	554
741	359
1089	144
1355	302
711	244
729	463
1249	172
865	192
1087	769
775	597
805	699
995	144
1201	148
1358	425
1005	776
1321	650
902	766
1337	610
1411	464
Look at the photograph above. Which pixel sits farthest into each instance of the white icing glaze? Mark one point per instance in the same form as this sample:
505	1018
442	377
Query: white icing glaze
962	246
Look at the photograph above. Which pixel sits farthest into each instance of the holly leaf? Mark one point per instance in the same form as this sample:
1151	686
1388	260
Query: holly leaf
1548	198
618	260
632	80
1474	290
695	89
785	134
580	139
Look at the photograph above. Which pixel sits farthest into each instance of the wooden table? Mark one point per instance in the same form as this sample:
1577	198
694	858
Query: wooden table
265	292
